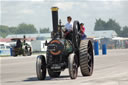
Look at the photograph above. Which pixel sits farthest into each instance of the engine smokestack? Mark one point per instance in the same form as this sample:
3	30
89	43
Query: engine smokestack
55	18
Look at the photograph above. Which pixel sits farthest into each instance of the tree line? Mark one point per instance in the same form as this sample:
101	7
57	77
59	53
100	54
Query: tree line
21	29
100	24
111	25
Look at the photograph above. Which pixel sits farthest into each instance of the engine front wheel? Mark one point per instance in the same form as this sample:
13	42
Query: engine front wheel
73	67
41	67
25	51
29	53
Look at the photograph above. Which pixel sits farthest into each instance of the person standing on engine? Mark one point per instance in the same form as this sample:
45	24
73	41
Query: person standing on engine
68	28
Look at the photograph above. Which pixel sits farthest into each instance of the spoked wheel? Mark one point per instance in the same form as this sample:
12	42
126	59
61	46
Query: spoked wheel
76	37
14	52
72	65
86	57
41	67
25	51
53	74
29	52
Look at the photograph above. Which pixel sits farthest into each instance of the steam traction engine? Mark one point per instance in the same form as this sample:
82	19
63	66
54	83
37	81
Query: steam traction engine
62	53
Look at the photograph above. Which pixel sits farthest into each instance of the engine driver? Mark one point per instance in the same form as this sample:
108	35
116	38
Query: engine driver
68	28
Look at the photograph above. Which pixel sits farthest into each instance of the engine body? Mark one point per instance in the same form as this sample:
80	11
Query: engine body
57	54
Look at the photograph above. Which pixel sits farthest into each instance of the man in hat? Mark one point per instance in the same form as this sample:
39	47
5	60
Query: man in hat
82	30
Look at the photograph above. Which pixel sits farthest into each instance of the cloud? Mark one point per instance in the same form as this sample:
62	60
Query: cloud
38	12
27	11
64	5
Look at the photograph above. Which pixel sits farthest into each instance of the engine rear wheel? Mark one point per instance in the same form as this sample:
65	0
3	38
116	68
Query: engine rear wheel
14	54
86	57
53	74
25	51
41	67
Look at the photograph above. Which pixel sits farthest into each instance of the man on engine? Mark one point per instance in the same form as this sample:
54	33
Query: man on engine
68	29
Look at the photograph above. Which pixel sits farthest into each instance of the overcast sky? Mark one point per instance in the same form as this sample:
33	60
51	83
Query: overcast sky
38	12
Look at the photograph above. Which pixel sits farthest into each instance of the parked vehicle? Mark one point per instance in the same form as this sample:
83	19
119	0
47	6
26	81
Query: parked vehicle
21	47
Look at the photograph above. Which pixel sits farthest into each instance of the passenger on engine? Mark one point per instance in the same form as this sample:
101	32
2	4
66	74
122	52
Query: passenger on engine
82	30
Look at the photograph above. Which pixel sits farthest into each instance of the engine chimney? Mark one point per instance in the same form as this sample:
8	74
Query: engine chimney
55	19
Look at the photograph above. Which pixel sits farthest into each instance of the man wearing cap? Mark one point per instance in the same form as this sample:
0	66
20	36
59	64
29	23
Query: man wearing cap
82	30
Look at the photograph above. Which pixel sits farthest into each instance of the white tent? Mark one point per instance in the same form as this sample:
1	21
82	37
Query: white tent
119	38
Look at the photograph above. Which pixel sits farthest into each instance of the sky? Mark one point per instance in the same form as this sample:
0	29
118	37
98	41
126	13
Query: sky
38	12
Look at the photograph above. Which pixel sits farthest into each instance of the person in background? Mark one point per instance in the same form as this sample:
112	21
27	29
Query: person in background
18	43
82	30
68	28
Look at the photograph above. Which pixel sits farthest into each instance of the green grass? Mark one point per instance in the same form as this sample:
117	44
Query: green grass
4	55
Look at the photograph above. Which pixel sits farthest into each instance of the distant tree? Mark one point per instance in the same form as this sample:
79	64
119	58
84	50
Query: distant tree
26	29
20	29
3	34
99	25
4	30
109	25
113	25
12	30
124	33
44	30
